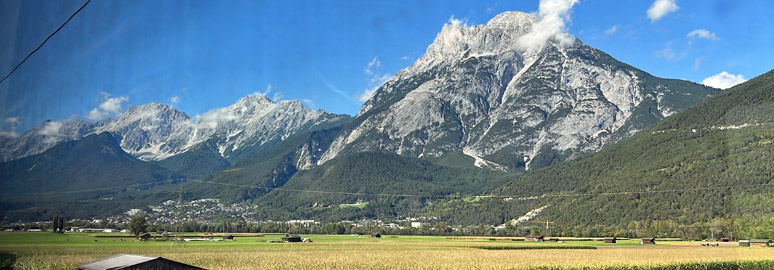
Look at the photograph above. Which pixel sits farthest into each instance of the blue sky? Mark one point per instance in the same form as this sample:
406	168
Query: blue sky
200	55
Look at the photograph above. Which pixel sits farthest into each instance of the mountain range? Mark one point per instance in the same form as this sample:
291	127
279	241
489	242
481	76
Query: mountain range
477	114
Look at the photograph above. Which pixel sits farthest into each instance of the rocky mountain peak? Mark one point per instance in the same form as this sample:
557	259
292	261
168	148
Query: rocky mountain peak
513	20
493	92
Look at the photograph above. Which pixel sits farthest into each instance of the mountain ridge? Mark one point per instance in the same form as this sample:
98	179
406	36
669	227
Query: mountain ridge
154	131
474	91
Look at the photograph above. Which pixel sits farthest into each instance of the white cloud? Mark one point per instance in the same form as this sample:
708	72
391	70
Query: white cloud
552	16
723	80
404	58
611	30
264	93
12	120
703	34
309	103
457	22
174	100
661	8
13	124
109	106
51	129
95	114
113	105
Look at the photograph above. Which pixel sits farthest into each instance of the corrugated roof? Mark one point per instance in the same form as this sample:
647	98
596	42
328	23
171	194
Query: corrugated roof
116	261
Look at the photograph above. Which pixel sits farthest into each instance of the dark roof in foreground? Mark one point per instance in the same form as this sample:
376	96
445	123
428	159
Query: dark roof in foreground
131	261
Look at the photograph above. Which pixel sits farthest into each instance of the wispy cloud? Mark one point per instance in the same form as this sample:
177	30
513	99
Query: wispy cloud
666	53
277	97
338	91
375	63
552	16
669	53
723	80
109	106
264	93
697	63
612	30
174	100
661	8
702	34
376	79
309	103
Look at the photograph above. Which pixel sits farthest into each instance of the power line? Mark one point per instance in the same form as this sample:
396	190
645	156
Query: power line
44	42
94	189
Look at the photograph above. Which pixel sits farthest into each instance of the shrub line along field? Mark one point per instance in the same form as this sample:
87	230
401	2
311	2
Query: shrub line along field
64	251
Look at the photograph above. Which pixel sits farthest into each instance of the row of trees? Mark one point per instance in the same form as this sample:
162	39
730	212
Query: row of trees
57	224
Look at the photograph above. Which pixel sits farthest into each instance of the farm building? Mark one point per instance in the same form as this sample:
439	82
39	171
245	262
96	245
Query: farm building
761	243
291	238
553	239
722	239
375	235
649	240
744	243
135	262
143	237
534	238
228	237
610	240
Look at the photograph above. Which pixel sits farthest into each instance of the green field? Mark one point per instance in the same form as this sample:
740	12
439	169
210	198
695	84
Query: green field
63	251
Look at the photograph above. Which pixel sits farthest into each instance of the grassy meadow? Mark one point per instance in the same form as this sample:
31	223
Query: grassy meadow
64	251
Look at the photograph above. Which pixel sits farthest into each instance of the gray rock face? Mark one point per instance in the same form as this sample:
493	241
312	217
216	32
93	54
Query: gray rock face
474	91
154	131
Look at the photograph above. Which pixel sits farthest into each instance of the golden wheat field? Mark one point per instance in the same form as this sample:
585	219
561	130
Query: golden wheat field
53	251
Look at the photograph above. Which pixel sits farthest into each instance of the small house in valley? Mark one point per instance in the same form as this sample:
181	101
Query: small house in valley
744	243
135	262
610	240
723	240
648	241
534	238
143	237
291	238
